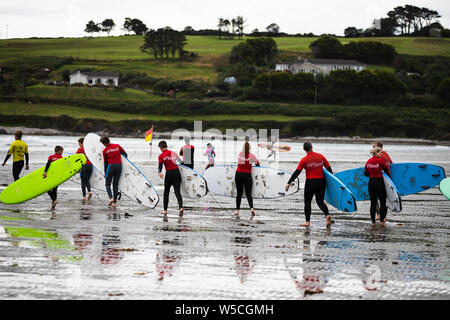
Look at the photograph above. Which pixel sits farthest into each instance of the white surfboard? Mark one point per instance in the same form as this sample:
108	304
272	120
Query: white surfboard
132	181
393	200
267	182
97	179
193	185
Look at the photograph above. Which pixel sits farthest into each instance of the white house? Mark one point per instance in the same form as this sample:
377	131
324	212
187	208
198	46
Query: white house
93	78
315	66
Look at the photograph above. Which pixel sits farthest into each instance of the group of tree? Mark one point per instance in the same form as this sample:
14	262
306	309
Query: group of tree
106	26
163	43
129	25
371	52
236	25
135	25
402	20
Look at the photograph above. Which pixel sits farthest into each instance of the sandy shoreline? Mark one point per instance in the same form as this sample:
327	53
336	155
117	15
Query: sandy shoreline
166	135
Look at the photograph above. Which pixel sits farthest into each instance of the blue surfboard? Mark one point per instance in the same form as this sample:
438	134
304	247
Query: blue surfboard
410	178
337	194
358	184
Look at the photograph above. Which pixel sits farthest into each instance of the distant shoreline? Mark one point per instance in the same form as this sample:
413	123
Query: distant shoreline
165	135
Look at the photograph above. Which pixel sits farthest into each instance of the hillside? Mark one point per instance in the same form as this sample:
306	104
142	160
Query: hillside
127	110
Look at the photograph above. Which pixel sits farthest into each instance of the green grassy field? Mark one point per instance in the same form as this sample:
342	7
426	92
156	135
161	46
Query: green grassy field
50	110
127	47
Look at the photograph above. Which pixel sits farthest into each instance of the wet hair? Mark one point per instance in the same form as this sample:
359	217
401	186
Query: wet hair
187	140
162	144
58	149
81	140
209	144
375	150
379	144
18	134
246	148
307	146
104	139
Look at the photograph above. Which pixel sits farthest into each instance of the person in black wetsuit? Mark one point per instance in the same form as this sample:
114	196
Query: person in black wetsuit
169	159
187	152
53	193
315	183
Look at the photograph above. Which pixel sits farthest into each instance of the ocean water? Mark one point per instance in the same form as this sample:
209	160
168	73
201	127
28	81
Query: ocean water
85	250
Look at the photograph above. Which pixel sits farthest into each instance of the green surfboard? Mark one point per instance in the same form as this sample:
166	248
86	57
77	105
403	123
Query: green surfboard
34	184
444	186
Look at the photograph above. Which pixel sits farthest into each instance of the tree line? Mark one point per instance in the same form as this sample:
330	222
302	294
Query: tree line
405	20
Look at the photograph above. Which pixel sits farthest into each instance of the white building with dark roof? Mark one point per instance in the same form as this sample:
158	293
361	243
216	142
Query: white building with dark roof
93	78
316	66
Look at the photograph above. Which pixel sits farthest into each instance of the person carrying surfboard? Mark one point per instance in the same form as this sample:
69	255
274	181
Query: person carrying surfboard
374	170
387	161
384	155
315	183
243	177
211	154
113	168
53	193
169	159
85	172
19	151
187	152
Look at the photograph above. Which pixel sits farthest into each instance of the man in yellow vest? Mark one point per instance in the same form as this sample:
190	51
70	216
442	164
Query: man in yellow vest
19	151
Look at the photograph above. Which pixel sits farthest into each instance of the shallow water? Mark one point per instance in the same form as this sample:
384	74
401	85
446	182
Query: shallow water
83	250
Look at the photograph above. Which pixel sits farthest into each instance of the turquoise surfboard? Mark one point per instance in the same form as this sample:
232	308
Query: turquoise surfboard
337	194
444	186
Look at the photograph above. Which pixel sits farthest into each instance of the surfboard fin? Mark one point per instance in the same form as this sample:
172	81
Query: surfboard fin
423	166
436	175
139	201
280	173
425	187
150	199
281	193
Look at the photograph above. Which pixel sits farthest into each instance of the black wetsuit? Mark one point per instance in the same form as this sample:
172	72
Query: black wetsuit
243	182
85	175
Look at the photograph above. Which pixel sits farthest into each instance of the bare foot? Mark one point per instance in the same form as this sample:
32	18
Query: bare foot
236	213
329	221
83	199
89	195
164	212
306	224
114	205
181	212
373	225
54	204
252	211
378	217
111	201
383	224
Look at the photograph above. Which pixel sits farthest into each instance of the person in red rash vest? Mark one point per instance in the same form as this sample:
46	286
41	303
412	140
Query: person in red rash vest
315	184
187	152
173	176
113	168
387	161
53	193
243	177
374	170
85	172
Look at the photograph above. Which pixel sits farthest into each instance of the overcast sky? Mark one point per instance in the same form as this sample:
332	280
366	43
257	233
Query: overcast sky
56	18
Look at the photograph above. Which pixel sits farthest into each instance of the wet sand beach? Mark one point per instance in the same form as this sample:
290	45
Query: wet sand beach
85	250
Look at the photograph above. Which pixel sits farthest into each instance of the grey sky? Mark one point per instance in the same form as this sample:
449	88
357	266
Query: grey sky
56	18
